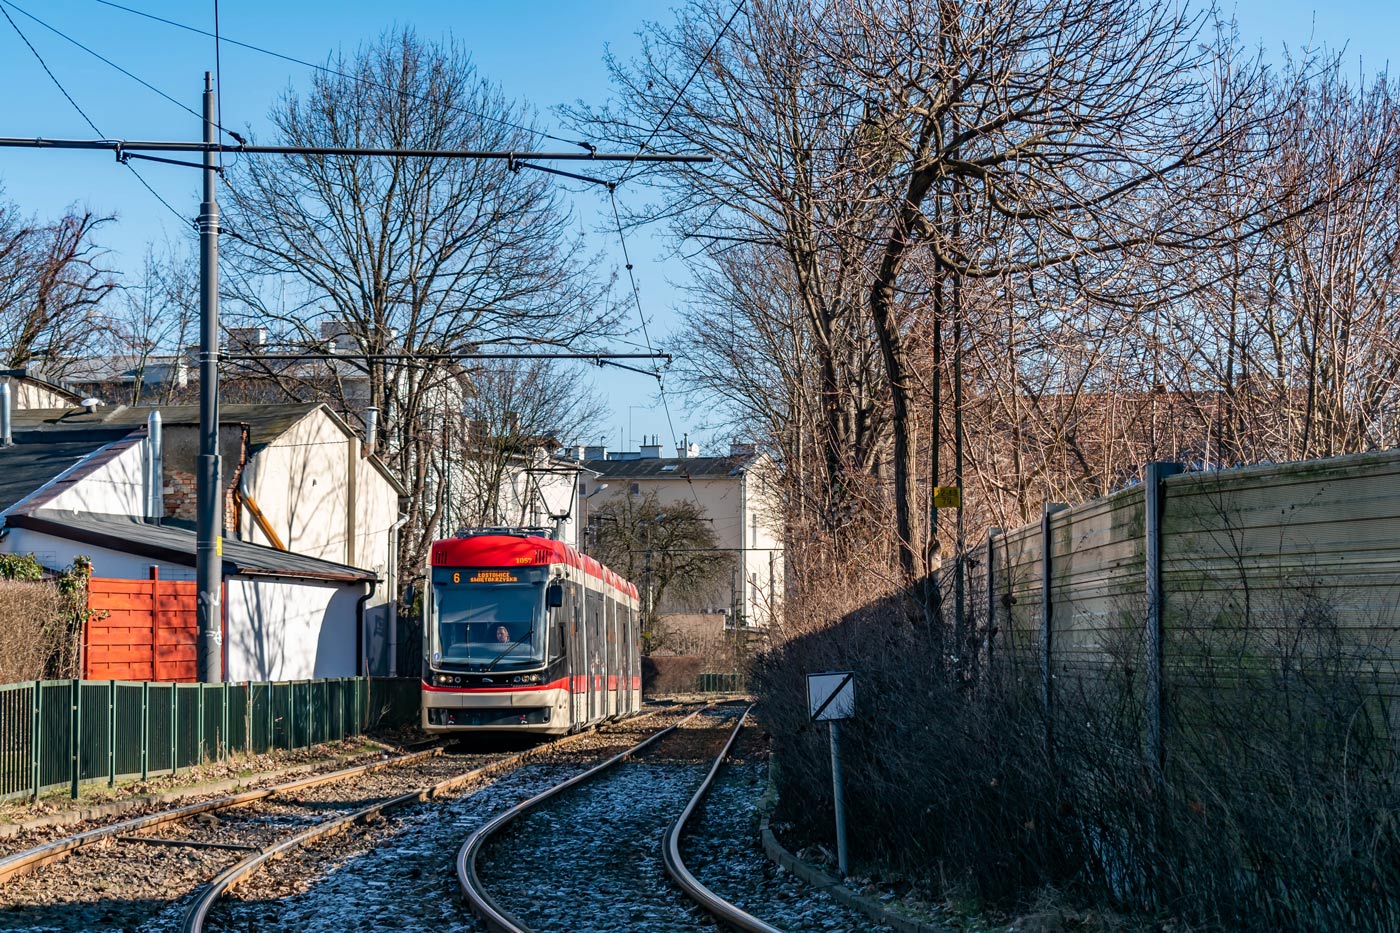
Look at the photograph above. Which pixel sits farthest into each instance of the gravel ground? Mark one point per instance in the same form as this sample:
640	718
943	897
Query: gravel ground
320	764
722	849
115	885
400	872
591	860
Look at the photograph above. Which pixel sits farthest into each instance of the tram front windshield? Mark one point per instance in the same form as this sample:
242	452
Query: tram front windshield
490	617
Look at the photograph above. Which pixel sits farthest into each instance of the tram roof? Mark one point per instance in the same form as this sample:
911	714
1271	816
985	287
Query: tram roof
515	550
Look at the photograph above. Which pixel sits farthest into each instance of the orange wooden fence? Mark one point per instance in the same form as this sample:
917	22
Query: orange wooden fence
140	630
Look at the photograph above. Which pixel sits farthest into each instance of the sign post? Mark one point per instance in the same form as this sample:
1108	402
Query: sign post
831	697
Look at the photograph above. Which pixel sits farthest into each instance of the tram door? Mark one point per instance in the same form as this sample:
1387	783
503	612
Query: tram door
610	659
593	624
577	654
625	628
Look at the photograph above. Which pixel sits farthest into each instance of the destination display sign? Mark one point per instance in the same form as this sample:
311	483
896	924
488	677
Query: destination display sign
494	576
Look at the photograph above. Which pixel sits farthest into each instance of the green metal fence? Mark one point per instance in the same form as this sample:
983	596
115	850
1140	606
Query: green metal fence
721	682
65	733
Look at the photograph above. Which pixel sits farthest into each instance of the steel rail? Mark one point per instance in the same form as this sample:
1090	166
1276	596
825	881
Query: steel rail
496	917
198	912
22	863
675	867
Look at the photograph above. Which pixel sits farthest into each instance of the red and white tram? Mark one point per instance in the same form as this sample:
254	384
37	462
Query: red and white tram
525	634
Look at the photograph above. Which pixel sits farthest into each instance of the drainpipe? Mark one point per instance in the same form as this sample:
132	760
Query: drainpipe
393	573
155	468
7	438
361	642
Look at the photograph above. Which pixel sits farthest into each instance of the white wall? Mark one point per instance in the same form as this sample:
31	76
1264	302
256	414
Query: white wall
282	629
746	515
25	393
308	483
56	553
117	487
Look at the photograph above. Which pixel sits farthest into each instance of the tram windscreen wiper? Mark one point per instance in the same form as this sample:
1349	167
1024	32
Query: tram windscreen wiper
508	648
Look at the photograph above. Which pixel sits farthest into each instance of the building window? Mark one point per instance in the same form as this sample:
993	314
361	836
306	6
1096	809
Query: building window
635	489
583	489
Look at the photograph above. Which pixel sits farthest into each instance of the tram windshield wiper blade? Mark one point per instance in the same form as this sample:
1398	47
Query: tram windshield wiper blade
507	649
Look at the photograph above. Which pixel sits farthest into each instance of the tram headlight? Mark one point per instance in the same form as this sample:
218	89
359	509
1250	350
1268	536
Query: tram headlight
530	678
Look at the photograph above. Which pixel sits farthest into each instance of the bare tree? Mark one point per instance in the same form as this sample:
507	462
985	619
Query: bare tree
52	282
668	549
155	316
404	255
911	148
518	411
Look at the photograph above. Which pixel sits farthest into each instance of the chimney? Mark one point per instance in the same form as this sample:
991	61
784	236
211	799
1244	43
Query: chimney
7	439
687	450
246	339
651	451
740	449
371	429
599	452
155	467
90	405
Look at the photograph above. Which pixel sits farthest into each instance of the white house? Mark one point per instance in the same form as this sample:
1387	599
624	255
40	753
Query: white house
736	493
96	487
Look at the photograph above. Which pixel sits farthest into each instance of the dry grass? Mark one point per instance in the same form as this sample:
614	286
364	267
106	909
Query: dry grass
34	632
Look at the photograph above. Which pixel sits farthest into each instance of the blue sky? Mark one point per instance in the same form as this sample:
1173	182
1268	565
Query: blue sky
545	52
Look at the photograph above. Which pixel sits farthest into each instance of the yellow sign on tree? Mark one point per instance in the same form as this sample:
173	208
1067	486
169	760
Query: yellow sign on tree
947	497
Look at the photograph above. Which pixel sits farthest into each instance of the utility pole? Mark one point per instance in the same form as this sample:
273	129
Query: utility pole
209	551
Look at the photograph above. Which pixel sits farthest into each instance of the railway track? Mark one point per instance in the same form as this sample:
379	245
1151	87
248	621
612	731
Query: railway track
594	858
164	870
391	872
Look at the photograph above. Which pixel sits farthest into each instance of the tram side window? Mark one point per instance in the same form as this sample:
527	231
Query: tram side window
594	603
559	621
614	623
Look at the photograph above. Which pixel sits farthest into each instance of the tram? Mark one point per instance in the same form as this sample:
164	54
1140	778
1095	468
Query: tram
523	633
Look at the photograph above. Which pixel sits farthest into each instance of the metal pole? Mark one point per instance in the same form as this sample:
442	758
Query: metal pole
209	478
838	792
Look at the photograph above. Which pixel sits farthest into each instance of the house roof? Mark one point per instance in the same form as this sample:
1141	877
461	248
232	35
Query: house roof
24	375
670	467
176	545
266	423
30	464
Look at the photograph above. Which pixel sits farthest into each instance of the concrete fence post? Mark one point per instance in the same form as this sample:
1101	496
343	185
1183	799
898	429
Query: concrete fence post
1153	503
991	578
1047	621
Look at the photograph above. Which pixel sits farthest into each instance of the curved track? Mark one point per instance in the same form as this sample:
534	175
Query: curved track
500	919
675	866
350	890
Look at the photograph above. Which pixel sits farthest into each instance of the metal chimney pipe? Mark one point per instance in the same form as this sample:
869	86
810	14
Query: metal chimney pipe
155	467
7	438
371	429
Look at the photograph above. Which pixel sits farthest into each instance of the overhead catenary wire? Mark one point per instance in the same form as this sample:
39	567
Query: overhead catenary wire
583	144
82	113
218	81
622	237
111	64
685	87
503	155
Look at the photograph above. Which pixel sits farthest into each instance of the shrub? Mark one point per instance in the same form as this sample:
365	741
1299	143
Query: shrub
1277	809
33	629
